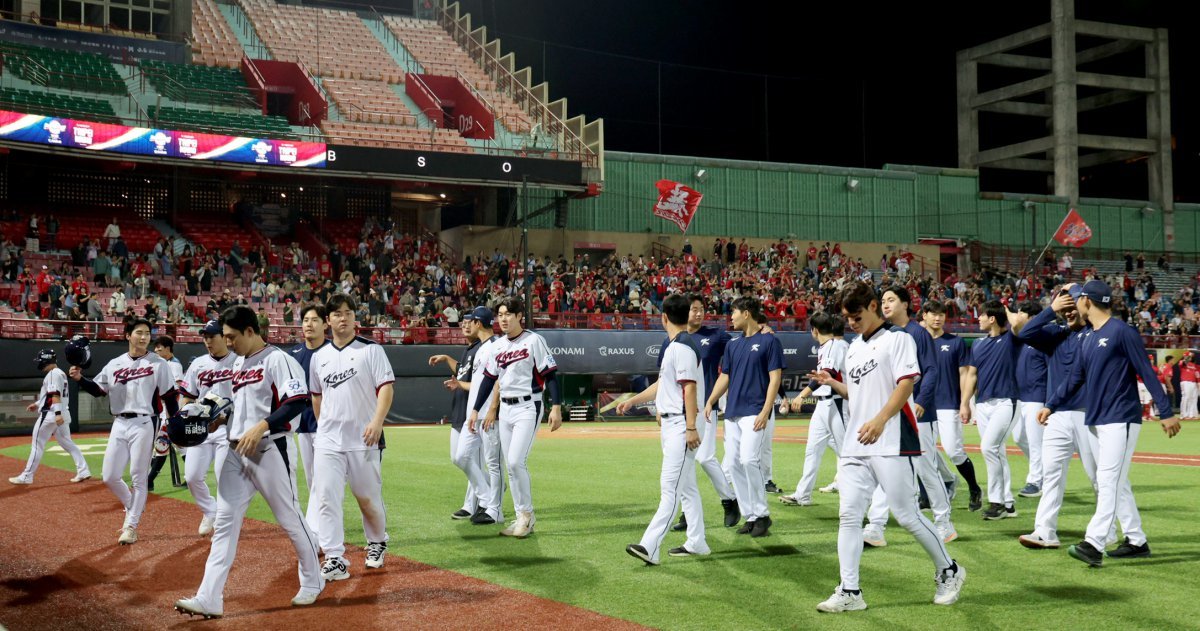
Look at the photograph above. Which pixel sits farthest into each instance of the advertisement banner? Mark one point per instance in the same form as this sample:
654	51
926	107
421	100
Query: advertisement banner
115	47
143	141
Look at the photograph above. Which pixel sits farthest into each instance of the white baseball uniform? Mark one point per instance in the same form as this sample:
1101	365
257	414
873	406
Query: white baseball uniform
521	366
135	387
348	380
207	374
875	364
265	384
54	384
680	366
478	453
828	425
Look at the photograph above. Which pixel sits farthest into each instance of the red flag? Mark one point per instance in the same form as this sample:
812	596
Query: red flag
677	203
1073	231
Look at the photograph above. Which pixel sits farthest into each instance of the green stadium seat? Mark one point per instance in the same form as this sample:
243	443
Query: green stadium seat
198	84
53	104
230	123
54	68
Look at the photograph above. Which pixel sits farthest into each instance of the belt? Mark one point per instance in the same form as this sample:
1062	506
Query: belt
828	397
516	400
133	415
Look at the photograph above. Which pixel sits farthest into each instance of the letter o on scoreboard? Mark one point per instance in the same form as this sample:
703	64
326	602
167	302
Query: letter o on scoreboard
506	167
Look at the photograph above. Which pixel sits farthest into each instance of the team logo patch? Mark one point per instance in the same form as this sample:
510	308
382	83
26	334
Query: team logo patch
125	375
1104	342
945	348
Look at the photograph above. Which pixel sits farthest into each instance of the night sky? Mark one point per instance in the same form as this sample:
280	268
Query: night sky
831	83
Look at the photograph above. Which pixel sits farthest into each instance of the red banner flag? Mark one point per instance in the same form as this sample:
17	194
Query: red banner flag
1073	231
677	203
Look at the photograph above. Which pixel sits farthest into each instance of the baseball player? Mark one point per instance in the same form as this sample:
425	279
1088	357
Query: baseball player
53	408
522	367
896	300
992	372
350	381
1105	369
1188	391
475	451
677	400
164	347
138	385
766	461
828	424
952	359
312	328
1166	374
751	371
208	373
268	393
1064	432
1031	390
881	444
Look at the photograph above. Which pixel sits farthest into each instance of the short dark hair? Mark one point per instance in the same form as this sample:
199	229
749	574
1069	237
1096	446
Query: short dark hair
696	298
240	318
322	312
750	305
1029	307
838	329
513	304
165	341
995	309
858	296
1169	358
676	308
133	323
822	322
934	306
901	294
337	301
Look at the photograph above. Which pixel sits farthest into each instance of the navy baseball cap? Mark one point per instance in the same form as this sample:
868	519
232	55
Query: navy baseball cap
1076	291
1097	291
482	314
212	327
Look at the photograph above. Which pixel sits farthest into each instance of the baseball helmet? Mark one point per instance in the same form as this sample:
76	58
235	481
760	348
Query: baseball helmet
77	352
189	427
45	357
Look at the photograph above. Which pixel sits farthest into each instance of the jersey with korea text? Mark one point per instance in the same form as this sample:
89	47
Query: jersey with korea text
521	365
995	360
1061	346
1106	367
55	384
711	341
680	366
831	357
1031	375
874	366
458	404
483	355
951	354
208	374
348	380
262	383
303	355
924	391
136	385
749	361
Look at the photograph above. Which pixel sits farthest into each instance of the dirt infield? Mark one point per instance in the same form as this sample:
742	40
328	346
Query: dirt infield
61	568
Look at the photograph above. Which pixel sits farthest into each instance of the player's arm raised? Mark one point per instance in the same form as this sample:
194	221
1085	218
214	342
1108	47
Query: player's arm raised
645	396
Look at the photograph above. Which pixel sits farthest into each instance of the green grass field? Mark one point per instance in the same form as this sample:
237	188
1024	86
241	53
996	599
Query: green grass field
595	495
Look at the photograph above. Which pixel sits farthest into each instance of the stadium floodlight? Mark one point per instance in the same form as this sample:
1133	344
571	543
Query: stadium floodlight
852	184
1028	205
701	175
1148	210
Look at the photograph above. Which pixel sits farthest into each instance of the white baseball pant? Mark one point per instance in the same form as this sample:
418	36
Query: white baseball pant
744	451
995	417
677	483
927	471
1113	446
858	479
1064	435
195	473
362	469
766	461
1027	434
130	443
518	427
43	430
826	428
1188	394
706	456
304	440
488	489
271	471
470	460
950	434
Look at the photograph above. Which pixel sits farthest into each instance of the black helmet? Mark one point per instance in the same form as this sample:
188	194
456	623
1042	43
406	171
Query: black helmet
45	357
78	353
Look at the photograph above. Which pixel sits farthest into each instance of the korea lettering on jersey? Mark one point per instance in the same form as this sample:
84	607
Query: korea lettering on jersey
55	383
483	355
136	385
208	374
520	365
874	367
680	366
348	380
262	382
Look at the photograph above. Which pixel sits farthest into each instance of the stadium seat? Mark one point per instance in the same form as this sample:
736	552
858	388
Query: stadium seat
54	104
56	68
186	83
228	123
213	40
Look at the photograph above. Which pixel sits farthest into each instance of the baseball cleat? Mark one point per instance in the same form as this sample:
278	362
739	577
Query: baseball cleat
192	607
681	525
524	526
949	583
128	536
305	597
335	569
19	480
1129	551
1035	541
81	477
375	554
842	601
681	551
732	514
976	501
508	532
771	488
746	528
947	533
792	500
873	537
1084	551
997	512
482	519
831	488
762	527
636	550
1030	490
461	514
206	527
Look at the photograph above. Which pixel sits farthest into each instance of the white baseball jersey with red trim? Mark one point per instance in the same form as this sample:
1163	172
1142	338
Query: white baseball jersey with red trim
348	380
55	383
262	382
483	355
136	385
873	368
520	365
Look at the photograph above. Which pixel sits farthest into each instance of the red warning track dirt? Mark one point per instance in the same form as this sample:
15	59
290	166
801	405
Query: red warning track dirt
61	568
